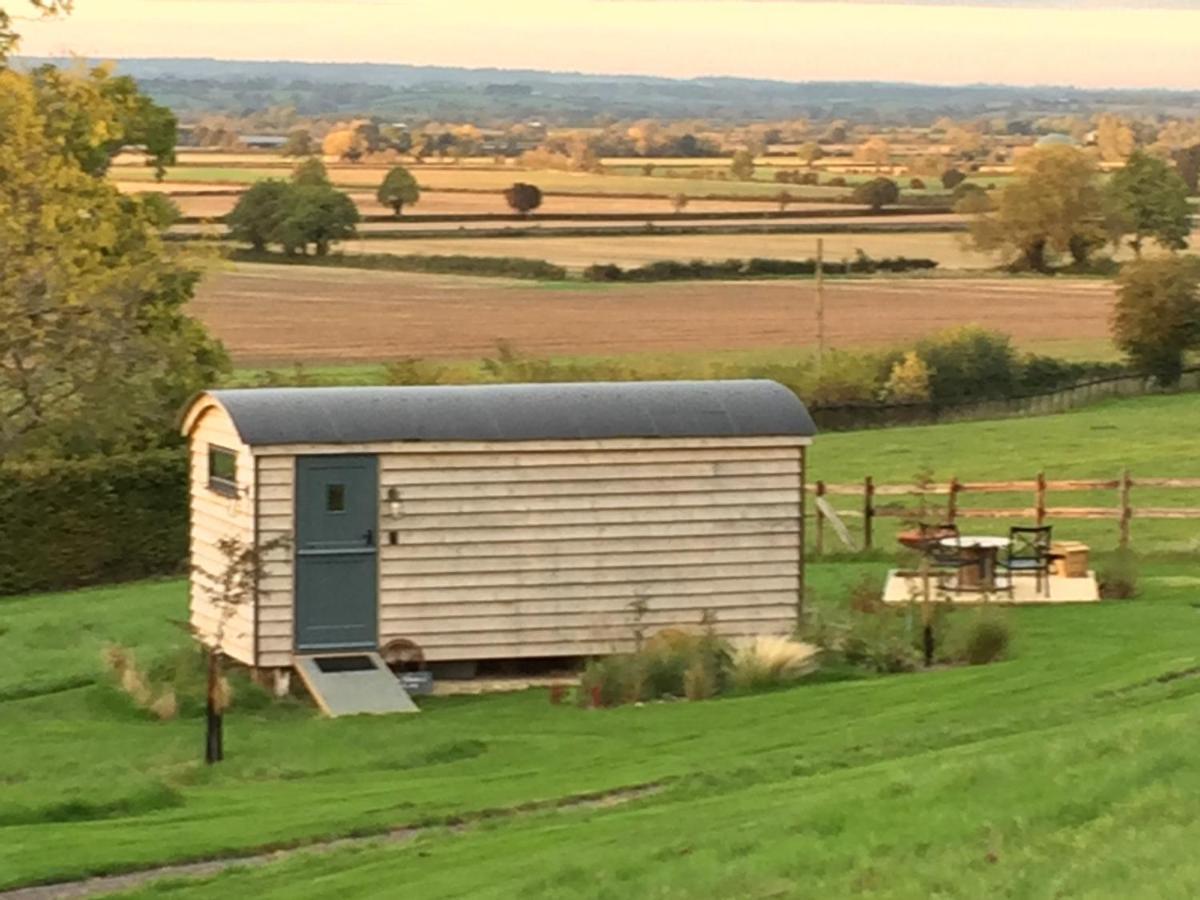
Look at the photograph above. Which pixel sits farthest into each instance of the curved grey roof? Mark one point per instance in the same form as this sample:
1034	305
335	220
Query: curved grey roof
515	412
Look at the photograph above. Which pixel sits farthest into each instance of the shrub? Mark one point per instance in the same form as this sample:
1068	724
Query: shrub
483	266
767	662
836	181
968	364
1118	578
986	640
671	664
952	178
523	198
69	523
917	184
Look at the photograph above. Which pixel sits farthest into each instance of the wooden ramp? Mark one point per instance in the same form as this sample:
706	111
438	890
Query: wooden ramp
353	684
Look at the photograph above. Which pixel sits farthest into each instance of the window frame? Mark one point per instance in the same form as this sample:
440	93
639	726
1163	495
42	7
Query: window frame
219	484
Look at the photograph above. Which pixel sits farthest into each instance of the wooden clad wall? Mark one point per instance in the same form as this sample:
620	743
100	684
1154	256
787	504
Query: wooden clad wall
276	515
564	548
215	516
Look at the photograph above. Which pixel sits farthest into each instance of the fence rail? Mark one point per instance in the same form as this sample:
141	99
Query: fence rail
852	417
947	507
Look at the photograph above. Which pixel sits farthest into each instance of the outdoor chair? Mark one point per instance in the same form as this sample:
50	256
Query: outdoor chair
946	562
1029	553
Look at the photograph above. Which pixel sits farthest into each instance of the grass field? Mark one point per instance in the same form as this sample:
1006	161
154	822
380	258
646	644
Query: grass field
1066	772
279	315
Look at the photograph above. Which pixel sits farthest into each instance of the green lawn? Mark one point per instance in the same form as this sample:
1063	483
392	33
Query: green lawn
1067	771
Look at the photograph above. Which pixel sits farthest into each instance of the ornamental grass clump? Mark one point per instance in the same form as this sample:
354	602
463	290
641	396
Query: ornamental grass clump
765	662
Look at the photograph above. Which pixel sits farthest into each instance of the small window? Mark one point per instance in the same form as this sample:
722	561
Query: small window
335	498
222	471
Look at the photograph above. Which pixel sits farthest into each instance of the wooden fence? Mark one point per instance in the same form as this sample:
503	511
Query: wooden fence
882	501
854	417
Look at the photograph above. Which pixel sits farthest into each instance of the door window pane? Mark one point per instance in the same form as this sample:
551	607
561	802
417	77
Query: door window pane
335	498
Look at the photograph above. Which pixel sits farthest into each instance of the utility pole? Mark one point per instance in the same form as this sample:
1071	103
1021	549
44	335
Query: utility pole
820	303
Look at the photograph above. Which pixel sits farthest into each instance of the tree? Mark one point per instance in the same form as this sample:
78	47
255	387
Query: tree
1148	200
96	351
523	198
679	202
95	116
314	214
311	173
299	143
344	143
877	193
1053	206
784	199
742	165
952	178
909	380
256	217
1187	163
1156	319
809	153
1114	138
874	150
398	188
236	584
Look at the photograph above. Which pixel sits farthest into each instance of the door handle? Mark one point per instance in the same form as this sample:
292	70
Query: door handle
369	537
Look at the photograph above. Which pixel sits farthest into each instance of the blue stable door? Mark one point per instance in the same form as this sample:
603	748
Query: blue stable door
337	596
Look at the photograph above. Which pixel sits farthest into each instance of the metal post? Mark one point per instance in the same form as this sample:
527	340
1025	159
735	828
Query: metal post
868	511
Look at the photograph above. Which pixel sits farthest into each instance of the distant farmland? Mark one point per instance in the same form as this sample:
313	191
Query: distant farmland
279	315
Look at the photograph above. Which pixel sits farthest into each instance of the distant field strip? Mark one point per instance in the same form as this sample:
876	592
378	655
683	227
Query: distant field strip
278	315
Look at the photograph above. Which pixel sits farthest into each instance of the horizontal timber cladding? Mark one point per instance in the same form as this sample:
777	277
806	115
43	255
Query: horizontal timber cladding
562	547
214	517
276	590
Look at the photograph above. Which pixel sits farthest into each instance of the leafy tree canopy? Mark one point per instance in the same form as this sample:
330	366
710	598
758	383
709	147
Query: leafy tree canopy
311	173
398	188
97	353
95	114
1157	316
523	198
877	193
1149	201
1054	205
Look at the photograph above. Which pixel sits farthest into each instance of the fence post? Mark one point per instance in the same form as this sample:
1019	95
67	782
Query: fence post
1039	501
868	511
1126	508
952	501
820	520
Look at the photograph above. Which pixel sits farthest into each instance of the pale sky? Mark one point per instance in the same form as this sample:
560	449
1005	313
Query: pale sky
1093	44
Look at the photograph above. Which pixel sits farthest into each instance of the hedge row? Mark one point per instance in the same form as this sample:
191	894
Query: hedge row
489	266
69	523
673	270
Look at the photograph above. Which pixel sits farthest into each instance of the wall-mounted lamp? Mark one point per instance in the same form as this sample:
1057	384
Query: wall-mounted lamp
393	501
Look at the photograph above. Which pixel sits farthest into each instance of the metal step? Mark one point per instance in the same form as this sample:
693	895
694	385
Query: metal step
351	684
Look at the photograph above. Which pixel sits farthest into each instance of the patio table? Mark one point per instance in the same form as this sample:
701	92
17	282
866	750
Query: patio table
982	551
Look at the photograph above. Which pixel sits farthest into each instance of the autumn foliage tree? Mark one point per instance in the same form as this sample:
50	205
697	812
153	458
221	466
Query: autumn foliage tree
1156	320
97	351
1053	206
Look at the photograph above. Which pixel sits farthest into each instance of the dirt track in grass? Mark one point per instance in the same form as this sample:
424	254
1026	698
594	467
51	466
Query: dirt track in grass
270	315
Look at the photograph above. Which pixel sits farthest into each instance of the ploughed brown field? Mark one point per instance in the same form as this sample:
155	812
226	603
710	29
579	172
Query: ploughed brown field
277	315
